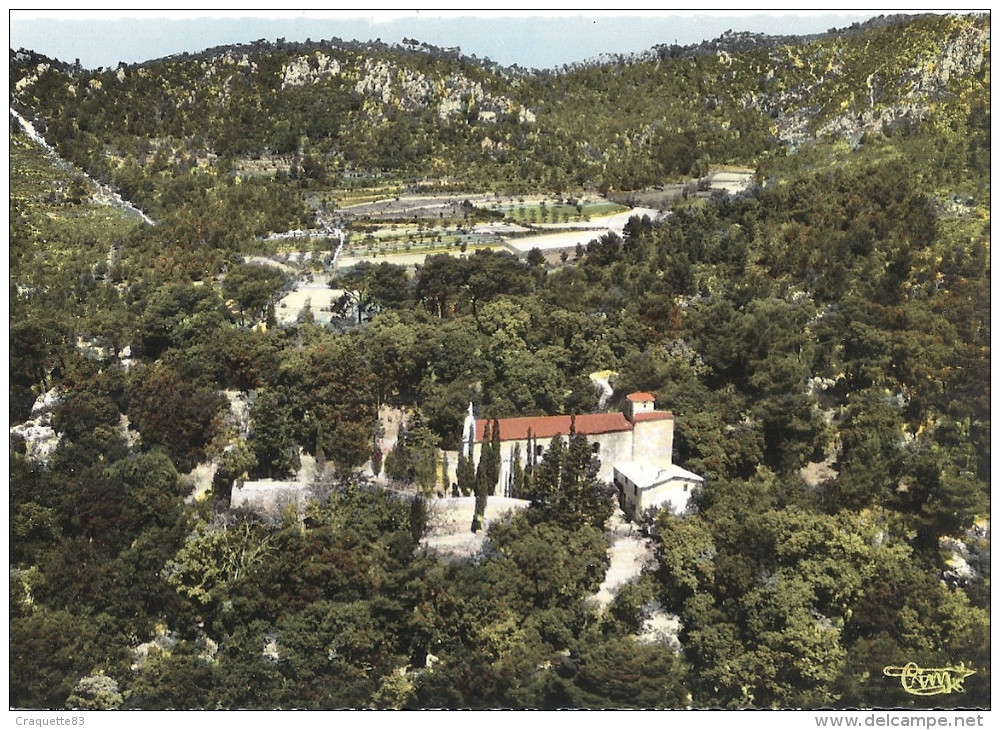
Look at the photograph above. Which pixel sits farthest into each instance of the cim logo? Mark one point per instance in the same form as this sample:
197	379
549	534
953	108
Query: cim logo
917	680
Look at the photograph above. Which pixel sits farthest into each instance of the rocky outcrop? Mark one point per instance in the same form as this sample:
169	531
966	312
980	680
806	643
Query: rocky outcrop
311	69
886	103
388	84
39	437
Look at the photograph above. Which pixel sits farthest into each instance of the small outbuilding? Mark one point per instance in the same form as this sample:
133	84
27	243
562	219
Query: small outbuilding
644	485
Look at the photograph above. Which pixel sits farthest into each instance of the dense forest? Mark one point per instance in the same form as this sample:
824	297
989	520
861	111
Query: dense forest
832	318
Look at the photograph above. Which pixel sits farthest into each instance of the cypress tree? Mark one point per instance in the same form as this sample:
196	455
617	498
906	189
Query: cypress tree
320	452
579	499
465	475
466	472
485	457
483	476
515	480
444	471
547	477
495	457
528	477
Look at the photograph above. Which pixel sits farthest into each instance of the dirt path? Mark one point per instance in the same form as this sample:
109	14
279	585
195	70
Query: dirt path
630	552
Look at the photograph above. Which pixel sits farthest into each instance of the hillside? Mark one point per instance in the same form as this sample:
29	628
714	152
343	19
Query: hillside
343	109
324	251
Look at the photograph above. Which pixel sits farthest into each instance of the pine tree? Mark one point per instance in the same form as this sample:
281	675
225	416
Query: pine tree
580	499
564	488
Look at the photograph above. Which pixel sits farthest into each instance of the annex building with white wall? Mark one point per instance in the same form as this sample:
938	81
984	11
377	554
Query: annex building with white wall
644	486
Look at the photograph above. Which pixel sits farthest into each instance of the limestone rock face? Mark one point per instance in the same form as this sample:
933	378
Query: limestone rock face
888	101
453	96
40	438
306	70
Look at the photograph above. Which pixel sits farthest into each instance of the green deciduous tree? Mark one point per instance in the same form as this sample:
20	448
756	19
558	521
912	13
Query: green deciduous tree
172	412
414	458
556	566
333	397
253	287
213	557
272	437
95	692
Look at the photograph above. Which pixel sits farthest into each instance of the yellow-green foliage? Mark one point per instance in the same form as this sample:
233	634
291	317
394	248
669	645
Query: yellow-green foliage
57	229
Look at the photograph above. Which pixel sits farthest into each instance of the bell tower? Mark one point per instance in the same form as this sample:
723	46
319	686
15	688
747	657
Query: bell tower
637	403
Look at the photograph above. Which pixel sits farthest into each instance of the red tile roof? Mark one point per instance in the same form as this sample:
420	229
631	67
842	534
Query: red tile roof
641	397
652	416
545	427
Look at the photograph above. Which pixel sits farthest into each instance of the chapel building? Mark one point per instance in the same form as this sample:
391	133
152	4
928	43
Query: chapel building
634	446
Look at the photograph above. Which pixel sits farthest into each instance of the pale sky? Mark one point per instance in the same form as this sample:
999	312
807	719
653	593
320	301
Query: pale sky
531	39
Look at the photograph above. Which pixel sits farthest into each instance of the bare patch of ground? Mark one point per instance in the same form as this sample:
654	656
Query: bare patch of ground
578	233
816	473
316	294
662	196
199	480
449	528
661	628
614	222
442	205
554	241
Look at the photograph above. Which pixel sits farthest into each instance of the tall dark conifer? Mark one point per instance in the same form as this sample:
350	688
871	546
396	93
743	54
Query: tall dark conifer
496	459
483	475
528	477
465	473
515	477
546	478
